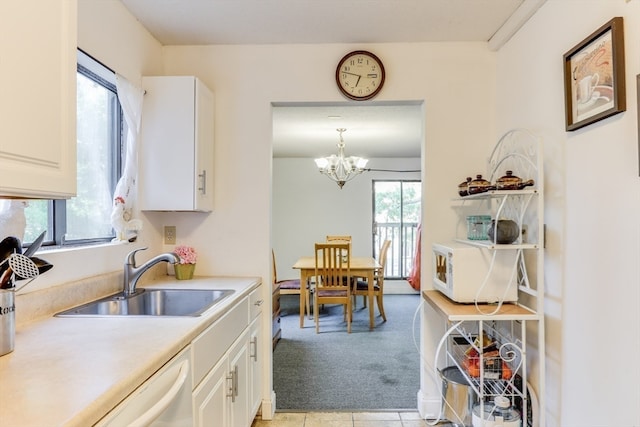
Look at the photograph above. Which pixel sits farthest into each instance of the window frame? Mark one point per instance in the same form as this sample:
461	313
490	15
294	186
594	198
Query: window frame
93	69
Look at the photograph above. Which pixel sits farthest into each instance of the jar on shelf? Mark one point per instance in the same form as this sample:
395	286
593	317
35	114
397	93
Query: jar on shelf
479	185
500	413
478	226
503	232
463	187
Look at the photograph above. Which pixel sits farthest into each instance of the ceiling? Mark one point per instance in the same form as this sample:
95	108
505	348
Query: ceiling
204	22
309	130
373	130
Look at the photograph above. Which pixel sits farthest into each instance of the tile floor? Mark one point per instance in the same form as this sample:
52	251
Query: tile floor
343	419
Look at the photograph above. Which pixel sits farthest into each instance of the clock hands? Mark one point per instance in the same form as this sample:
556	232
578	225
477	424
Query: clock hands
353	74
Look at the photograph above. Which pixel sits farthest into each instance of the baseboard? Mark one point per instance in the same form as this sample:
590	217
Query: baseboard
398	287
428	406
268	408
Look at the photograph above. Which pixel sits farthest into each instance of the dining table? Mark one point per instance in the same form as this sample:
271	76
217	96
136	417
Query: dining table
360	267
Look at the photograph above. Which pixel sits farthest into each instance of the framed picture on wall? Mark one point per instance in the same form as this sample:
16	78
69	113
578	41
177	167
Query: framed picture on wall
594	84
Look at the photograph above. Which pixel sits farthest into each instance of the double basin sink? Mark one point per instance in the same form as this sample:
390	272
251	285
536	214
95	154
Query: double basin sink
152	302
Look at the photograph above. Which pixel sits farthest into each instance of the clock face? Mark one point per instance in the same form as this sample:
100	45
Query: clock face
360	75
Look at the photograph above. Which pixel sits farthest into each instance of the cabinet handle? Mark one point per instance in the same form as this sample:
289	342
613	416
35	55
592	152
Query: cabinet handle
254	343
203	182
232	387
235	383
259	302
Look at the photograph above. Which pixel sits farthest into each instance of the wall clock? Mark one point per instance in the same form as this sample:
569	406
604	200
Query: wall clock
360	75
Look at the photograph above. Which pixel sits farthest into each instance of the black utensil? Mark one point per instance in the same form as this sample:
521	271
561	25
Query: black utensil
33	248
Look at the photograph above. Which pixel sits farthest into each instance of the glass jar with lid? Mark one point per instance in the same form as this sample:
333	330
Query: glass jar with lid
478	227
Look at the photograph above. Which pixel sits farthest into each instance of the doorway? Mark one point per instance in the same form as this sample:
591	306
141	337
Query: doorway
301	196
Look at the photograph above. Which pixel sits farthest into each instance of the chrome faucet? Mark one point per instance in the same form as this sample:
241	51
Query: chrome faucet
132	273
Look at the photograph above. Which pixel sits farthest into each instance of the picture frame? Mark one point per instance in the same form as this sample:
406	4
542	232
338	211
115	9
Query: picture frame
594	77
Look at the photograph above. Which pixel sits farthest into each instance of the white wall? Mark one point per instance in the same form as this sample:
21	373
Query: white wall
592	205
308	206
247	79
456	82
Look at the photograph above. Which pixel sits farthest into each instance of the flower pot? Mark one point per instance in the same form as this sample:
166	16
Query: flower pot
184	271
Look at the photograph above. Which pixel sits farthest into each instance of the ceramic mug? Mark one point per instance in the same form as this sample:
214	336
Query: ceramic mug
586	86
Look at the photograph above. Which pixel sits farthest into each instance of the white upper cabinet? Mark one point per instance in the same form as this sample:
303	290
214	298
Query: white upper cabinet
38	42
176	147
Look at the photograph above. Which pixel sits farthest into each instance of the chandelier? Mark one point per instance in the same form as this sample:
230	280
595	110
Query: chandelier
340	168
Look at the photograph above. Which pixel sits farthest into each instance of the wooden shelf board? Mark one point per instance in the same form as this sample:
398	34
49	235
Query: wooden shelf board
455	311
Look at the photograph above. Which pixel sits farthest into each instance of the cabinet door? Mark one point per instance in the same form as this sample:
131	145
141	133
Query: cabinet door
38	98
256	362
204	148
211	398
176	159
239	369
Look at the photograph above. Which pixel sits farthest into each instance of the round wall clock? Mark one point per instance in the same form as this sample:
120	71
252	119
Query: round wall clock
360	75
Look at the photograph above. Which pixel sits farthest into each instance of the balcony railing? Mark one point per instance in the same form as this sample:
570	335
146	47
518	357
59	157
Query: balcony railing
401	253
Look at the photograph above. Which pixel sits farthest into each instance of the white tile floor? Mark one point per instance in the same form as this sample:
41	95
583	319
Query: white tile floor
343	419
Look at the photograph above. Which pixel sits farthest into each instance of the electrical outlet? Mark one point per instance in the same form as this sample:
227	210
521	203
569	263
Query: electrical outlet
169	234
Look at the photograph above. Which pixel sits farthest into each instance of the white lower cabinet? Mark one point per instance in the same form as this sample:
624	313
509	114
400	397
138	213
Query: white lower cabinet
221	399
227	368
216	381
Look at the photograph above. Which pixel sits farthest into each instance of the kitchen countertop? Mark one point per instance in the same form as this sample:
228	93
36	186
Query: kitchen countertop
72	371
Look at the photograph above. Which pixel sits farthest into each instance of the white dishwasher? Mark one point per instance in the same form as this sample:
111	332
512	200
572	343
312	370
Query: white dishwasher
164	400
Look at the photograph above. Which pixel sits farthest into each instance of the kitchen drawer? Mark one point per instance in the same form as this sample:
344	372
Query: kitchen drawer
255	303
211	345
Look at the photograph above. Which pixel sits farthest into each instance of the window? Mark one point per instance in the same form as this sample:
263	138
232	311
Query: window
396	215
86	217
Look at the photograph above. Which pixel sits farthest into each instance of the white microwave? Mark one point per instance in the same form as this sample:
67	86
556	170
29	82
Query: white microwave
469	274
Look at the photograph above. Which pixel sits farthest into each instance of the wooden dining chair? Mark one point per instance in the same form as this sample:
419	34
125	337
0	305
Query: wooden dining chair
361	287
337	238
333	278
290	286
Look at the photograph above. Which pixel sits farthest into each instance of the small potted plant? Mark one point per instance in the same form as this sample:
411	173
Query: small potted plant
188	256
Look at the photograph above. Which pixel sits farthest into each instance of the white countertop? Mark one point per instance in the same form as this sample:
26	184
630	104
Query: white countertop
72	371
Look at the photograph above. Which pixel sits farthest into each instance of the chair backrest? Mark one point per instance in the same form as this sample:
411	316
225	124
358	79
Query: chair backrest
333	265
382	260
337	238
382	256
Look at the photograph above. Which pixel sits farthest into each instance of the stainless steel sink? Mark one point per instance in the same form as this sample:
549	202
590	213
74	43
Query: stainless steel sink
152	302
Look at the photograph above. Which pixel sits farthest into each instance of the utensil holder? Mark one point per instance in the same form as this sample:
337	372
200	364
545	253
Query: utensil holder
7	321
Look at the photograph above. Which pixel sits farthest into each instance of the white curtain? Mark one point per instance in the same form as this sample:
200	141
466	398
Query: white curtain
125	194
12	219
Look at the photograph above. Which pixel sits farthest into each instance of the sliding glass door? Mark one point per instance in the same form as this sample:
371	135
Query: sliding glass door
396	215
